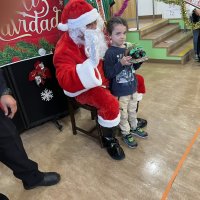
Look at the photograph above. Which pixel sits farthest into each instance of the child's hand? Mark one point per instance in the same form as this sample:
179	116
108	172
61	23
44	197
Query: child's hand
126	60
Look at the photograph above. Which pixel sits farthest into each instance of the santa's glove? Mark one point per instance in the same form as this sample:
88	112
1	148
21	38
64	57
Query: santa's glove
94	55
91	47
92	63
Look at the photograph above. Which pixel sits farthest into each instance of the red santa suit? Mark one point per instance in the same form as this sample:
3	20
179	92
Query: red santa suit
141	87
77	74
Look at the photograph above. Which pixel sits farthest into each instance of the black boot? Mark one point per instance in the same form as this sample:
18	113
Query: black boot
141	122
49	178
3	197
112	144
114	149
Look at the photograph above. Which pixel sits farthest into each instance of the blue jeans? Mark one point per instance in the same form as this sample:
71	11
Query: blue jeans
196	41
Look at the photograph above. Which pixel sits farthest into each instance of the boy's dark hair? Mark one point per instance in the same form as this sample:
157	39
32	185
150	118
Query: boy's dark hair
114	21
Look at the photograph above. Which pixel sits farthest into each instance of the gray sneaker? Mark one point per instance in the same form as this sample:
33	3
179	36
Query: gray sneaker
196	57
139	133
130	141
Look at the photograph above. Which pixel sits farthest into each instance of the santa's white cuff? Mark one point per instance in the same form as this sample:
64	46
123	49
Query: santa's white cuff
139	96
86	73
109	123
74	94
81	21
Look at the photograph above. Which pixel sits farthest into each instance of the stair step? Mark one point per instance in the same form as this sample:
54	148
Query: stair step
185	52
165	42
160	34
152	27
183	49
174	41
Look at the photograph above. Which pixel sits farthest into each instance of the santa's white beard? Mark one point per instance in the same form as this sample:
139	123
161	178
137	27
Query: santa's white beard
95	41
77	35
92	39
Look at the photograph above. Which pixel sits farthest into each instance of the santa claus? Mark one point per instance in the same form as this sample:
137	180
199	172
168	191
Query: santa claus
78	61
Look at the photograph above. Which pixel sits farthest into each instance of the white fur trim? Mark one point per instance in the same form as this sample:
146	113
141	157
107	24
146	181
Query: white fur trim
62	27
81	21
139	96
69	94
109	123
86	73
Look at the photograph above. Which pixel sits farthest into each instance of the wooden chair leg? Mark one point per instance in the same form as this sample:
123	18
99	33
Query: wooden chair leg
100	133
72	117
93	113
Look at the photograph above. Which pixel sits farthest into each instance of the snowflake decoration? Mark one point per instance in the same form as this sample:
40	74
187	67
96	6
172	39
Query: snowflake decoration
46	95
61	2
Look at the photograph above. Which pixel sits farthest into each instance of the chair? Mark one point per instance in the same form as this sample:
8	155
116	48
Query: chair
73	105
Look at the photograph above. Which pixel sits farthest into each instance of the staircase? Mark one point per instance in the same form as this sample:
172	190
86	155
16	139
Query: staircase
164	42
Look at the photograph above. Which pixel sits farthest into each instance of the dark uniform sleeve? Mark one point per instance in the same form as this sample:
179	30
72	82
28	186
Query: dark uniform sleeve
3	85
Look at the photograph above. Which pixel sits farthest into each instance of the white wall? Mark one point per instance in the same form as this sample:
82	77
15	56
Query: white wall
145	7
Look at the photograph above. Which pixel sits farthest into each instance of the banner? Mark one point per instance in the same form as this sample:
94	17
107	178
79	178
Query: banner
195	3
172	11
33	32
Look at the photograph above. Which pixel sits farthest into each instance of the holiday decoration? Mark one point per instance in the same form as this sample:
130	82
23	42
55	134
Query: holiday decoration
182	4
33	32
46	95
24	50
39	74
15	59
177	2
122	9
42	52
187	21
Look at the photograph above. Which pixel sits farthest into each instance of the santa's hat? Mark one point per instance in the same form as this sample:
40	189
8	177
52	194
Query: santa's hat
77	14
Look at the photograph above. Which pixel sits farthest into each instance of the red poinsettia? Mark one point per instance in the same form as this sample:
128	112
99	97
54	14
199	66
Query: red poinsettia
40	73
15	59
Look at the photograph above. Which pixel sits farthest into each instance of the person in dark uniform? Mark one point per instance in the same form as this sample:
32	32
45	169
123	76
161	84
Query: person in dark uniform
12	152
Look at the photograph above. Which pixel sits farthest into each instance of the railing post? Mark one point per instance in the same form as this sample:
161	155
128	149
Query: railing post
153	8
137	18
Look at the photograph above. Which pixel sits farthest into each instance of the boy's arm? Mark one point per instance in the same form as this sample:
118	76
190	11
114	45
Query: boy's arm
111	68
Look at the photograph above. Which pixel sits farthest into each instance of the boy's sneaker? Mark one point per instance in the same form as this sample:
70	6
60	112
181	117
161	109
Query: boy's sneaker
196	57
129	140
139	133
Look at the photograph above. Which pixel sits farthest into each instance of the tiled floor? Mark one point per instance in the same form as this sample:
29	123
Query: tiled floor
171	106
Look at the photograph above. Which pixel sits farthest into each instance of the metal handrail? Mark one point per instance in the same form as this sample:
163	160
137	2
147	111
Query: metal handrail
153	8
137	17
